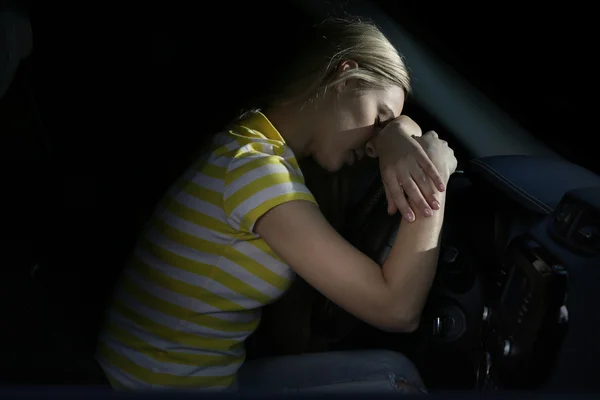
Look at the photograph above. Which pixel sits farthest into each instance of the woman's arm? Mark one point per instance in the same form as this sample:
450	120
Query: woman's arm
391	297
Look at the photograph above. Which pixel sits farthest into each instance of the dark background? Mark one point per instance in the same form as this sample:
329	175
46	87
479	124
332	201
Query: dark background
160	66
536	61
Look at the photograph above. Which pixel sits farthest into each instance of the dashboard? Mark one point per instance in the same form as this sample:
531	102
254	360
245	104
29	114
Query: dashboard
540	271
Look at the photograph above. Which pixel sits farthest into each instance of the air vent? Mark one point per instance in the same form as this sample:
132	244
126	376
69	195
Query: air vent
576	221
586	231
564	216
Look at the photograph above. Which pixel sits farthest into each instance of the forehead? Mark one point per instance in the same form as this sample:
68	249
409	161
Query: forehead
391	101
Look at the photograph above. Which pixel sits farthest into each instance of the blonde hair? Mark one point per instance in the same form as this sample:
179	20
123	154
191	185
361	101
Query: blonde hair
332	42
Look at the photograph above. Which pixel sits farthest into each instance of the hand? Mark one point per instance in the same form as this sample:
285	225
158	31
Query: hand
407	169
439	153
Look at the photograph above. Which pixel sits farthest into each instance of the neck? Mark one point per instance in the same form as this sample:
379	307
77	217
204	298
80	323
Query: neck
293	126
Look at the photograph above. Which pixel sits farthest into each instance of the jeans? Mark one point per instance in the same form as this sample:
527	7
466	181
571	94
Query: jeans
364	371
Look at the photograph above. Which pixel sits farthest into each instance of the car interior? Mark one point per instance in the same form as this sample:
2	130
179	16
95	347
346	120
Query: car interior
102	108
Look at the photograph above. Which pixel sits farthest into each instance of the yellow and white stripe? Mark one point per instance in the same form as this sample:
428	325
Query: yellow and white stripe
192	291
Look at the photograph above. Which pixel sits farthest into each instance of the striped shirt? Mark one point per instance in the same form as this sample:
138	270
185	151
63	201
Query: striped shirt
192	291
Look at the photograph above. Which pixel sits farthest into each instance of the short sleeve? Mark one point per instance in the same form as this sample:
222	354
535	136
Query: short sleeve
256	182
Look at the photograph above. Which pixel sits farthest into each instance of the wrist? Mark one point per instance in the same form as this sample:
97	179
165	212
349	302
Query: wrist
381	142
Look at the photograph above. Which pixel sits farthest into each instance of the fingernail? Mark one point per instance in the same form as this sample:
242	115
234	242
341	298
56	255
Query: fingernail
410	217
428	212
436	205
442	187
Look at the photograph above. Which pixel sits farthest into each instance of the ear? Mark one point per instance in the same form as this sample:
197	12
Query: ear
344	67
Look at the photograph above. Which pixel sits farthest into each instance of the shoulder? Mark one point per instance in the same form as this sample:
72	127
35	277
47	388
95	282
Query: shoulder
253	148
261	173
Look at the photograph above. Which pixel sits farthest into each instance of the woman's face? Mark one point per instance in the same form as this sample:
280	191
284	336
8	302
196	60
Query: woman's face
348	122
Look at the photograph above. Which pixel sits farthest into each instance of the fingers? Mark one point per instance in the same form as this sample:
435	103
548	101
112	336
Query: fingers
431	171
391	205
426	188
411	179
427	165
396	193
413	192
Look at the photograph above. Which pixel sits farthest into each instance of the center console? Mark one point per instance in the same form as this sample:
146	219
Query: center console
526	319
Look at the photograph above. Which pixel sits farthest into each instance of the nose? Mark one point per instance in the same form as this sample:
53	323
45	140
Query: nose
370	149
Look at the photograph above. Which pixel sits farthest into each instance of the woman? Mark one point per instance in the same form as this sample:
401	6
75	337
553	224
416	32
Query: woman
233	231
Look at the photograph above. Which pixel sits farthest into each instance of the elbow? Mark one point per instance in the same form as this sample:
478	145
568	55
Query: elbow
401	323
412	325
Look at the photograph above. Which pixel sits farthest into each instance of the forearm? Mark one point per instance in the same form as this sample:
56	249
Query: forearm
411	265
